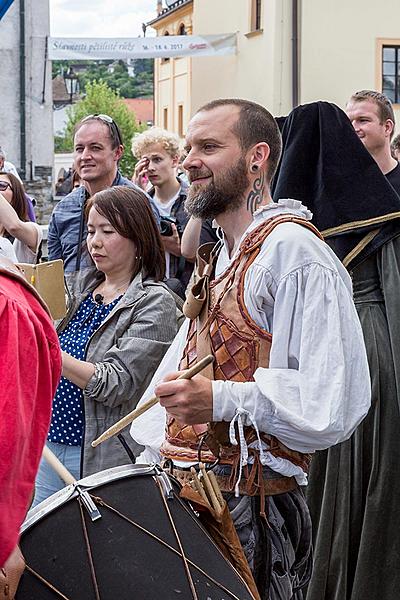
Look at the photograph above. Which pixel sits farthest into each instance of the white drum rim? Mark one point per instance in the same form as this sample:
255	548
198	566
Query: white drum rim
85	484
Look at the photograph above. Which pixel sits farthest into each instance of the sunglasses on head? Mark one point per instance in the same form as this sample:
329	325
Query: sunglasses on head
109	121
4	185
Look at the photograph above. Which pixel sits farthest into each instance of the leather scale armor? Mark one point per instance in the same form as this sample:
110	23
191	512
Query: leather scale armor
239	347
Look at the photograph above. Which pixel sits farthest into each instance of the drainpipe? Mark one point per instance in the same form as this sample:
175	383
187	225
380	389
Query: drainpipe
22	90
295	53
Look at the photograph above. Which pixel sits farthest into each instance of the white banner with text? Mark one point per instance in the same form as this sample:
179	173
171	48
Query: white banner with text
154	47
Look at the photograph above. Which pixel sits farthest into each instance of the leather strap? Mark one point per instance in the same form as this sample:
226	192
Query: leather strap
272	487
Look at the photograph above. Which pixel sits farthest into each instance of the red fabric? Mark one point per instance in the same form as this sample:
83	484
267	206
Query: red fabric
30	368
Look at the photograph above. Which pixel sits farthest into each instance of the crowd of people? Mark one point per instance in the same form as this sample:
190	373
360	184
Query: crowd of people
295	223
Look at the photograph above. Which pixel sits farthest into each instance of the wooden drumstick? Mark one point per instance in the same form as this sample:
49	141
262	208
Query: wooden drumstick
216	488
209	489
197	485
57	466
134	414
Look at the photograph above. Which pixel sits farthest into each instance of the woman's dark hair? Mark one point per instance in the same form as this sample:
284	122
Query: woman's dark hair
18	201
129	212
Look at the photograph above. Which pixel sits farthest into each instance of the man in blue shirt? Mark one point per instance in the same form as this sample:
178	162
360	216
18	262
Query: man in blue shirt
98	148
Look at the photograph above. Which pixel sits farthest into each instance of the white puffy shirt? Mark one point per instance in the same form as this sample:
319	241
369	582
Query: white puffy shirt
317	387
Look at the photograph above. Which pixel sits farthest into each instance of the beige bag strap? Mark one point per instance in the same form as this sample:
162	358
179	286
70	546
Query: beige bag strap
203	344
197	296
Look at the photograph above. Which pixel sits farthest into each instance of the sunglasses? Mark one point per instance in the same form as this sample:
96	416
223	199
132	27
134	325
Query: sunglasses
116	134
4	185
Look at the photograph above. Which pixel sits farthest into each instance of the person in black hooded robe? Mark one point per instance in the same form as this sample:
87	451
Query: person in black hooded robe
354	487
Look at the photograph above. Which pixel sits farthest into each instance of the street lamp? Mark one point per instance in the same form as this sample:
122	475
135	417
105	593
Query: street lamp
71	83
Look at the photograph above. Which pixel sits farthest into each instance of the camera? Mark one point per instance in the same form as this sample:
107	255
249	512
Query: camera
166	226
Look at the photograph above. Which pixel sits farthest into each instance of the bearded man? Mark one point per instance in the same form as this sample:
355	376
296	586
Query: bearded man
290	373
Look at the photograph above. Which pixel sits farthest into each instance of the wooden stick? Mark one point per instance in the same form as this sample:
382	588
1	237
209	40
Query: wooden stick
197	485
216	488
58	467
209	489
134	414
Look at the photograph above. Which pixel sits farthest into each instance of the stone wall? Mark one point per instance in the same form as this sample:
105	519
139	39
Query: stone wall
41	191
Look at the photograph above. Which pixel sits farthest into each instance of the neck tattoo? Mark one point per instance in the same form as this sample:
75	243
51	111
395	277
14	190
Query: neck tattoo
255	196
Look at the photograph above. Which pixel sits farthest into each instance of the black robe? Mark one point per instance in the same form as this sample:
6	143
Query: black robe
354	487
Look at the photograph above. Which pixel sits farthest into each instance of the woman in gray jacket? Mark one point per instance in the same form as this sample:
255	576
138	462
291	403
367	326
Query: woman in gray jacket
121	322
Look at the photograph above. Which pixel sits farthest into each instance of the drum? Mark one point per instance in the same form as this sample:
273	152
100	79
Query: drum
123	533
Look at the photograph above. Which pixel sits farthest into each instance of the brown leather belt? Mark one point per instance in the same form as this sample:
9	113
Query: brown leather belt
272	487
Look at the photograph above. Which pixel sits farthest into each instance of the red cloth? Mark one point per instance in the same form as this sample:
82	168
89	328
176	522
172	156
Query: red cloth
30	368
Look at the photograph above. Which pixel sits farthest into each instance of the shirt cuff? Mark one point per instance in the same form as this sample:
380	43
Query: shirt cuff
228	396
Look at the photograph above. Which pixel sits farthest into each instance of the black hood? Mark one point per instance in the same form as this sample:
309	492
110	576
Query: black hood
326	166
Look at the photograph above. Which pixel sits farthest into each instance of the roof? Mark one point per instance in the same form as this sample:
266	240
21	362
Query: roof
167	11
142	107
60	93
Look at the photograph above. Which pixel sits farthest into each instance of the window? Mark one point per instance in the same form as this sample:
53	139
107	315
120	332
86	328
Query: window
256	15
165	118
164	60
180	120
182	29
391	72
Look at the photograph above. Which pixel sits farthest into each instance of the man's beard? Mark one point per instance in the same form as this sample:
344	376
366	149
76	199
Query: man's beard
224	194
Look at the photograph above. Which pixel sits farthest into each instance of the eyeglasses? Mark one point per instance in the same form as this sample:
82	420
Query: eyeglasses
115	132
4	185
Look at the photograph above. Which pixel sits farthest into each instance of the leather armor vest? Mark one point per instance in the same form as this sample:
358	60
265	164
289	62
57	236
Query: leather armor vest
239	347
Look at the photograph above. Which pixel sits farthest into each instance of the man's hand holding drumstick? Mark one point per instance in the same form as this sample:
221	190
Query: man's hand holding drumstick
188	400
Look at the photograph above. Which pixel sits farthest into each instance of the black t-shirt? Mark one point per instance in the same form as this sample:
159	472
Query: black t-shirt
207	233
394	178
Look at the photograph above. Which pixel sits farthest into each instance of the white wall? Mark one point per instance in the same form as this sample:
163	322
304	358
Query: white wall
39	117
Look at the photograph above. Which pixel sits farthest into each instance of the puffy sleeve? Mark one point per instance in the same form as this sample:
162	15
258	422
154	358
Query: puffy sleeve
317	387
30	368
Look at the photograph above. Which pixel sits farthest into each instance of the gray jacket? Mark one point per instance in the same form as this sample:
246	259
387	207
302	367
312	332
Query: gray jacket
126	350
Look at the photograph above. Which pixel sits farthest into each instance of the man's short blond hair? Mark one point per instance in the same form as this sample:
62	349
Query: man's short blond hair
155	135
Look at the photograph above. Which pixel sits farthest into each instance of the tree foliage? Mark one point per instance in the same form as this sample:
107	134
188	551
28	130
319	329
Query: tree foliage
117	78
101	99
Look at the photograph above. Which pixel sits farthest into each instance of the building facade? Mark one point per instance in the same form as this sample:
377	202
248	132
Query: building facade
172	76
26	116
289	52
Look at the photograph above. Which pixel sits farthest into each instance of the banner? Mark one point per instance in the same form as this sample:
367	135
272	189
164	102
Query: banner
4	6
168	46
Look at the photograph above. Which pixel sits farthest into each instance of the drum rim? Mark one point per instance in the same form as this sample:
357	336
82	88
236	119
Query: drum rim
87	483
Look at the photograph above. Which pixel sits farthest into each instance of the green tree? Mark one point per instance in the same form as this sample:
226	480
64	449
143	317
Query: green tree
101	99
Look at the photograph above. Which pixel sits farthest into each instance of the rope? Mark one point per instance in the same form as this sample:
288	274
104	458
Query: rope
184	558
101	502
89	552
46	583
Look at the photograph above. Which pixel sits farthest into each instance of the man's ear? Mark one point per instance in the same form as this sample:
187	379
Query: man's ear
118	152
389	127
259	155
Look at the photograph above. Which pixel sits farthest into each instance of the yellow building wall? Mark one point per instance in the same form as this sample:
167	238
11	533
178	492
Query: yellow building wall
172	78
259	71
339	52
